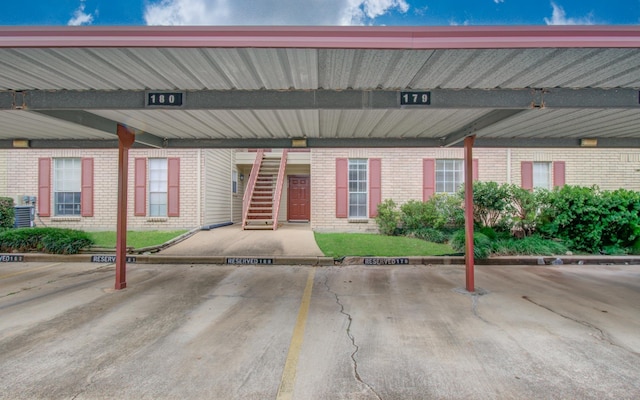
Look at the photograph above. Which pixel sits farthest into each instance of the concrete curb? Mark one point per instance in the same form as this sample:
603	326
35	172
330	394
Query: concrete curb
106	258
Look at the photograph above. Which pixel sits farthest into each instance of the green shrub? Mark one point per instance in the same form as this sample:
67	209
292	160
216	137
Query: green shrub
491	203
7	212
48	240
388	218
635	247
530	245
481	244
429	234
450	209
589	220
420	214
525	210
620	218
488	232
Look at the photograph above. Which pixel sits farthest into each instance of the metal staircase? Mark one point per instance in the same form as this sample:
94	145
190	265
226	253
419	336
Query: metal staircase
261	202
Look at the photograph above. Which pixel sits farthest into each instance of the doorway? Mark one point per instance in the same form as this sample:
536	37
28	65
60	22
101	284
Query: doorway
299	198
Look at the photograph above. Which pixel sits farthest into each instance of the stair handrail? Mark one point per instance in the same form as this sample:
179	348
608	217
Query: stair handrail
251	185
279	185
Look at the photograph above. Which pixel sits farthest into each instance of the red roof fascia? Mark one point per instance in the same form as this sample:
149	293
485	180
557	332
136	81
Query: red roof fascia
458	37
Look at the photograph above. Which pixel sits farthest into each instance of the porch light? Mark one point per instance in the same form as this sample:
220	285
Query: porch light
588	142
299	142
21	143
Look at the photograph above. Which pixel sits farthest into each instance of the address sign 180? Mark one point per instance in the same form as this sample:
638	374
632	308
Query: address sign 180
164	99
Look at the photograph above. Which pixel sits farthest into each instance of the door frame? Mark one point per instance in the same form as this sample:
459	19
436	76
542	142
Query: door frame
289	199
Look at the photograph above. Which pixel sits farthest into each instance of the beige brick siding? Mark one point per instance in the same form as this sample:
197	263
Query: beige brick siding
402	173
3	173
401	179
23	179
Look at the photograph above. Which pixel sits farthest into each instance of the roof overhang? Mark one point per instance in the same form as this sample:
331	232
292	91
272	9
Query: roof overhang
335	86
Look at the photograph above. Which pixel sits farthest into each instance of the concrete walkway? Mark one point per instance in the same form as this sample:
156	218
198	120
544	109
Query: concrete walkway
294	240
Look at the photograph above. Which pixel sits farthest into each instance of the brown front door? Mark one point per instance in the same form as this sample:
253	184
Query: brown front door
299	198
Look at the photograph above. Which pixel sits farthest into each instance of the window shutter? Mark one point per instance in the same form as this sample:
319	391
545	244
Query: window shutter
140	187
342	187
428	178
475	169
375	186
526	170
44	187
173	187
558	173
86	196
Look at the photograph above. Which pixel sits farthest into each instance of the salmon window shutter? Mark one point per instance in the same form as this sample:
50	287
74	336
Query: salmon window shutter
428	178
342	187
475	169
140	187
375	186
558	173
526	169
86	196
44	187
173	187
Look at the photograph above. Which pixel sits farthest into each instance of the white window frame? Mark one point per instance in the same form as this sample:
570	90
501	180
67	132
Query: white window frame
449	175
358	184
542	175
67	187
158	187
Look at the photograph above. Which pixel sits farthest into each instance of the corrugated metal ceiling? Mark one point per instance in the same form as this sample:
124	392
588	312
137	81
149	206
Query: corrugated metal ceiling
246	68
283	69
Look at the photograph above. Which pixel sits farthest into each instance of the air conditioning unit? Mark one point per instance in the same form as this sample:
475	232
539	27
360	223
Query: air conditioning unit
24	216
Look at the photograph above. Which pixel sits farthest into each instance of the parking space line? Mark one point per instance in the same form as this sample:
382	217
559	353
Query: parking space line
28	270
285	391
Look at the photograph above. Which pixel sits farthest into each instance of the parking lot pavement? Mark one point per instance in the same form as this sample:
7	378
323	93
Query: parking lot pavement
354	332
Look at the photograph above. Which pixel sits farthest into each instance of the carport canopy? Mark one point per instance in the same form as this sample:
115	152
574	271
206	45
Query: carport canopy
235	87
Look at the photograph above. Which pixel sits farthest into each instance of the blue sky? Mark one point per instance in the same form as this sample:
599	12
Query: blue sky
320	12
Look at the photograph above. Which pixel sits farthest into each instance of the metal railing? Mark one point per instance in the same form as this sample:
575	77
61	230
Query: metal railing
279	185
251	184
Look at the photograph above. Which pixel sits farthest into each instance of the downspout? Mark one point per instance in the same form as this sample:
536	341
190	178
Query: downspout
199	194
468	212
509	166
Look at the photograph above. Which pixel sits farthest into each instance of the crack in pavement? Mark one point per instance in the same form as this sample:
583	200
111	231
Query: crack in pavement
475	296
352	338
602	335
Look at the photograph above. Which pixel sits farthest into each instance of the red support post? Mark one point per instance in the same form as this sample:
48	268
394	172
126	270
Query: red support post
468	212
126	138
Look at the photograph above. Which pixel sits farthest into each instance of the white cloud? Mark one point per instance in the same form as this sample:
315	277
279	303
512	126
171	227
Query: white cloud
80	17
269	12
498	1
559	17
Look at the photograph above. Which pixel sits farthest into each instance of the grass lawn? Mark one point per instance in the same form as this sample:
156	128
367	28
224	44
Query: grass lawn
363	244
135	239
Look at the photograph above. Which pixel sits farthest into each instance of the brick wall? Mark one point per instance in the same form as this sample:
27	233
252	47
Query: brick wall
22	179
402	174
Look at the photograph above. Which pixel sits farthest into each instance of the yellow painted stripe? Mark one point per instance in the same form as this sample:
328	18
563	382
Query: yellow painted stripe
28	270
285	391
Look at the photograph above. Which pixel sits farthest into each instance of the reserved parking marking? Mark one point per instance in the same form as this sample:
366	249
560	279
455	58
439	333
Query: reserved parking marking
285	391
28	270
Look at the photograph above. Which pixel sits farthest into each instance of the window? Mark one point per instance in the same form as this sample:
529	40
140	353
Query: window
541	175
357	188
449	175
158	176
67	186
234	181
